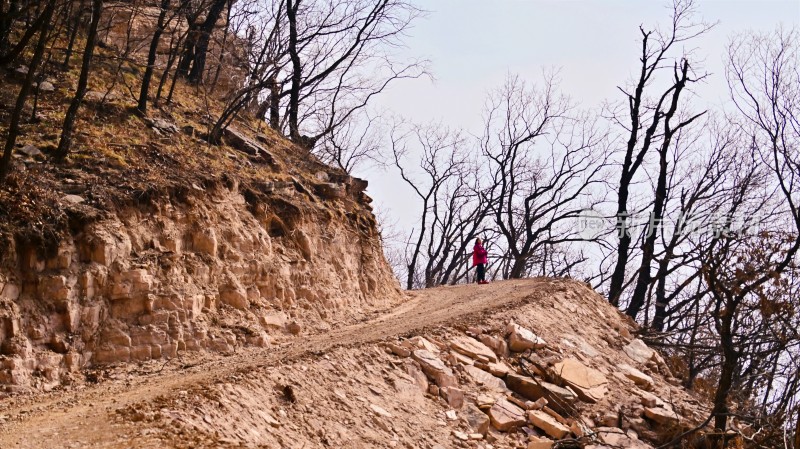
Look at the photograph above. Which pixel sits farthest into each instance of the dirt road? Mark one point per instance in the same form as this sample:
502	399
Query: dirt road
85	417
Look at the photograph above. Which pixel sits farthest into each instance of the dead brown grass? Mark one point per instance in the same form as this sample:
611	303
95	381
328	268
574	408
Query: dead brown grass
117	159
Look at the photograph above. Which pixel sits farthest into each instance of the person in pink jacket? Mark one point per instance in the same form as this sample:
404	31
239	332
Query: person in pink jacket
479	260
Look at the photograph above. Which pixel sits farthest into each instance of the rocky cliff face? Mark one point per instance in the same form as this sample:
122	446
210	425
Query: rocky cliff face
209	268
148	241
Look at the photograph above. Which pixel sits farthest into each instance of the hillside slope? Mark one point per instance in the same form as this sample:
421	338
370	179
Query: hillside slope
440	371
157	290
148	241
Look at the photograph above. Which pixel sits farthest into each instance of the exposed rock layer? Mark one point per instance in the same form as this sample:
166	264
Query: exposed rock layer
213	270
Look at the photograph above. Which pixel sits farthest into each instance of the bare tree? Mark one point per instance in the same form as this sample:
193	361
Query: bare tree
451	215
18	14
339	59
703	182
392	240
670	129
73	26
353	144
203	37
263	58
24	91
314	66
201	18
797	427
643	119
163	21
545	165
763	73
65	142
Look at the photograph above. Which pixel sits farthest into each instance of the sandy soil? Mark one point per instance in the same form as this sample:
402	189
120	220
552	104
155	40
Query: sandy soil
87	415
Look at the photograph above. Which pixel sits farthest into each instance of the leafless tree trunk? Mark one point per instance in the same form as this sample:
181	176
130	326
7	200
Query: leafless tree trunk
698	188
176	42
65	143
352	144
656	48
151	57
227	31
441	161
327	46
764	74
797	428
657	215
73	34
22	97
15	12
297	70
200	50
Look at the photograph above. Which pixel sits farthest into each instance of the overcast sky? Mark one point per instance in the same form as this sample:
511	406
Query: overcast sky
473	44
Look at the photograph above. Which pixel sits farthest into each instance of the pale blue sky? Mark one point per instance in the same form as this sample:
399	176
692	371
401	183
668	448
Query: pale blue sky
473	44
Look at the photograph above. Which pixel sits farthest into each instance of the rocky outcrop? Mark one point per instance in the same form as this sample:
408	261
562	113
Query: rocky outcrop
382	399
547	393
377	384
212	270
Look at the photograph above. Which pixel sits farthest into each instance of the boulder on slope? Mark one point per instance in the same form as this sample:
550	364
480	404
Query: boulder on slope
590	385
435	368
473	348
521	339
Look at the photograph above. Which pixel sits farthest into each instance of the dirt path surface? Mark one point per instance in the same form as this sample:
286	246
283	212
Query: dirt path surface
85	417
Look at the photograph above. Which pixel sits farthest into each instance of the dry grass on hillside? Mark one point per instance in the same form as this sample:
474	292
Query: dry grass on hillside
117	158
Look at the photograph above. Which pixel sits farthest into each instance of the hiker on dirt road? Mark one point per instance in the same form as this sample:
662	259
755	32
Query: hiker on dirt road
479	260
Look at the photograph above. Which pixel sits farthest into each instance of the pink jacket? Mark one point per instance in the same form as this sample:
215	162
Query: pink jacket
479	255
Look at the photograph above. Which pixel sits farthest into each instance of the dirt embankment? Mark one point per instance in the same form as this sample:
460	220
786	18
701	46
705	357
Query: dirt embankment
243	259
444	369
150	243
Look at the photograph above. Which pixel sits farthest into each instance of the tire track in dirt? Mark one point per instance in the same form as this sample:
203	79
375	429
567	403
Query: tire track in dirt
85	418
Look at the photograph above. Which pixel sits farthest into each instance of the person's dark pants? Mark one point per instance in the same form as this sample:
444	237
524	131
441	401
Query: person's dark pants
481	272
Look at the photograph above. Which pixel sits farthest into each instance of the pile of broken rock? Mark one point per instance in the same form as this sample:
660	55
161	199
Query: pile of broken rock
511	383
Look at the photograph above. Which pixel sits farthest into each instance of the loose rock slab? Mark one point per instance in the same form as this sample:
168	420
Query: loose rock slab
558	397
46	86
588	383
473	348
663	416
399	350
521	339
539	443
30	150
378	410
484	401
499	369
548	424
649	399
638	351
423	343
506	416
639	378
489	381
454	396
498	345
460	435
615	437
73	199
478	421
435	368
